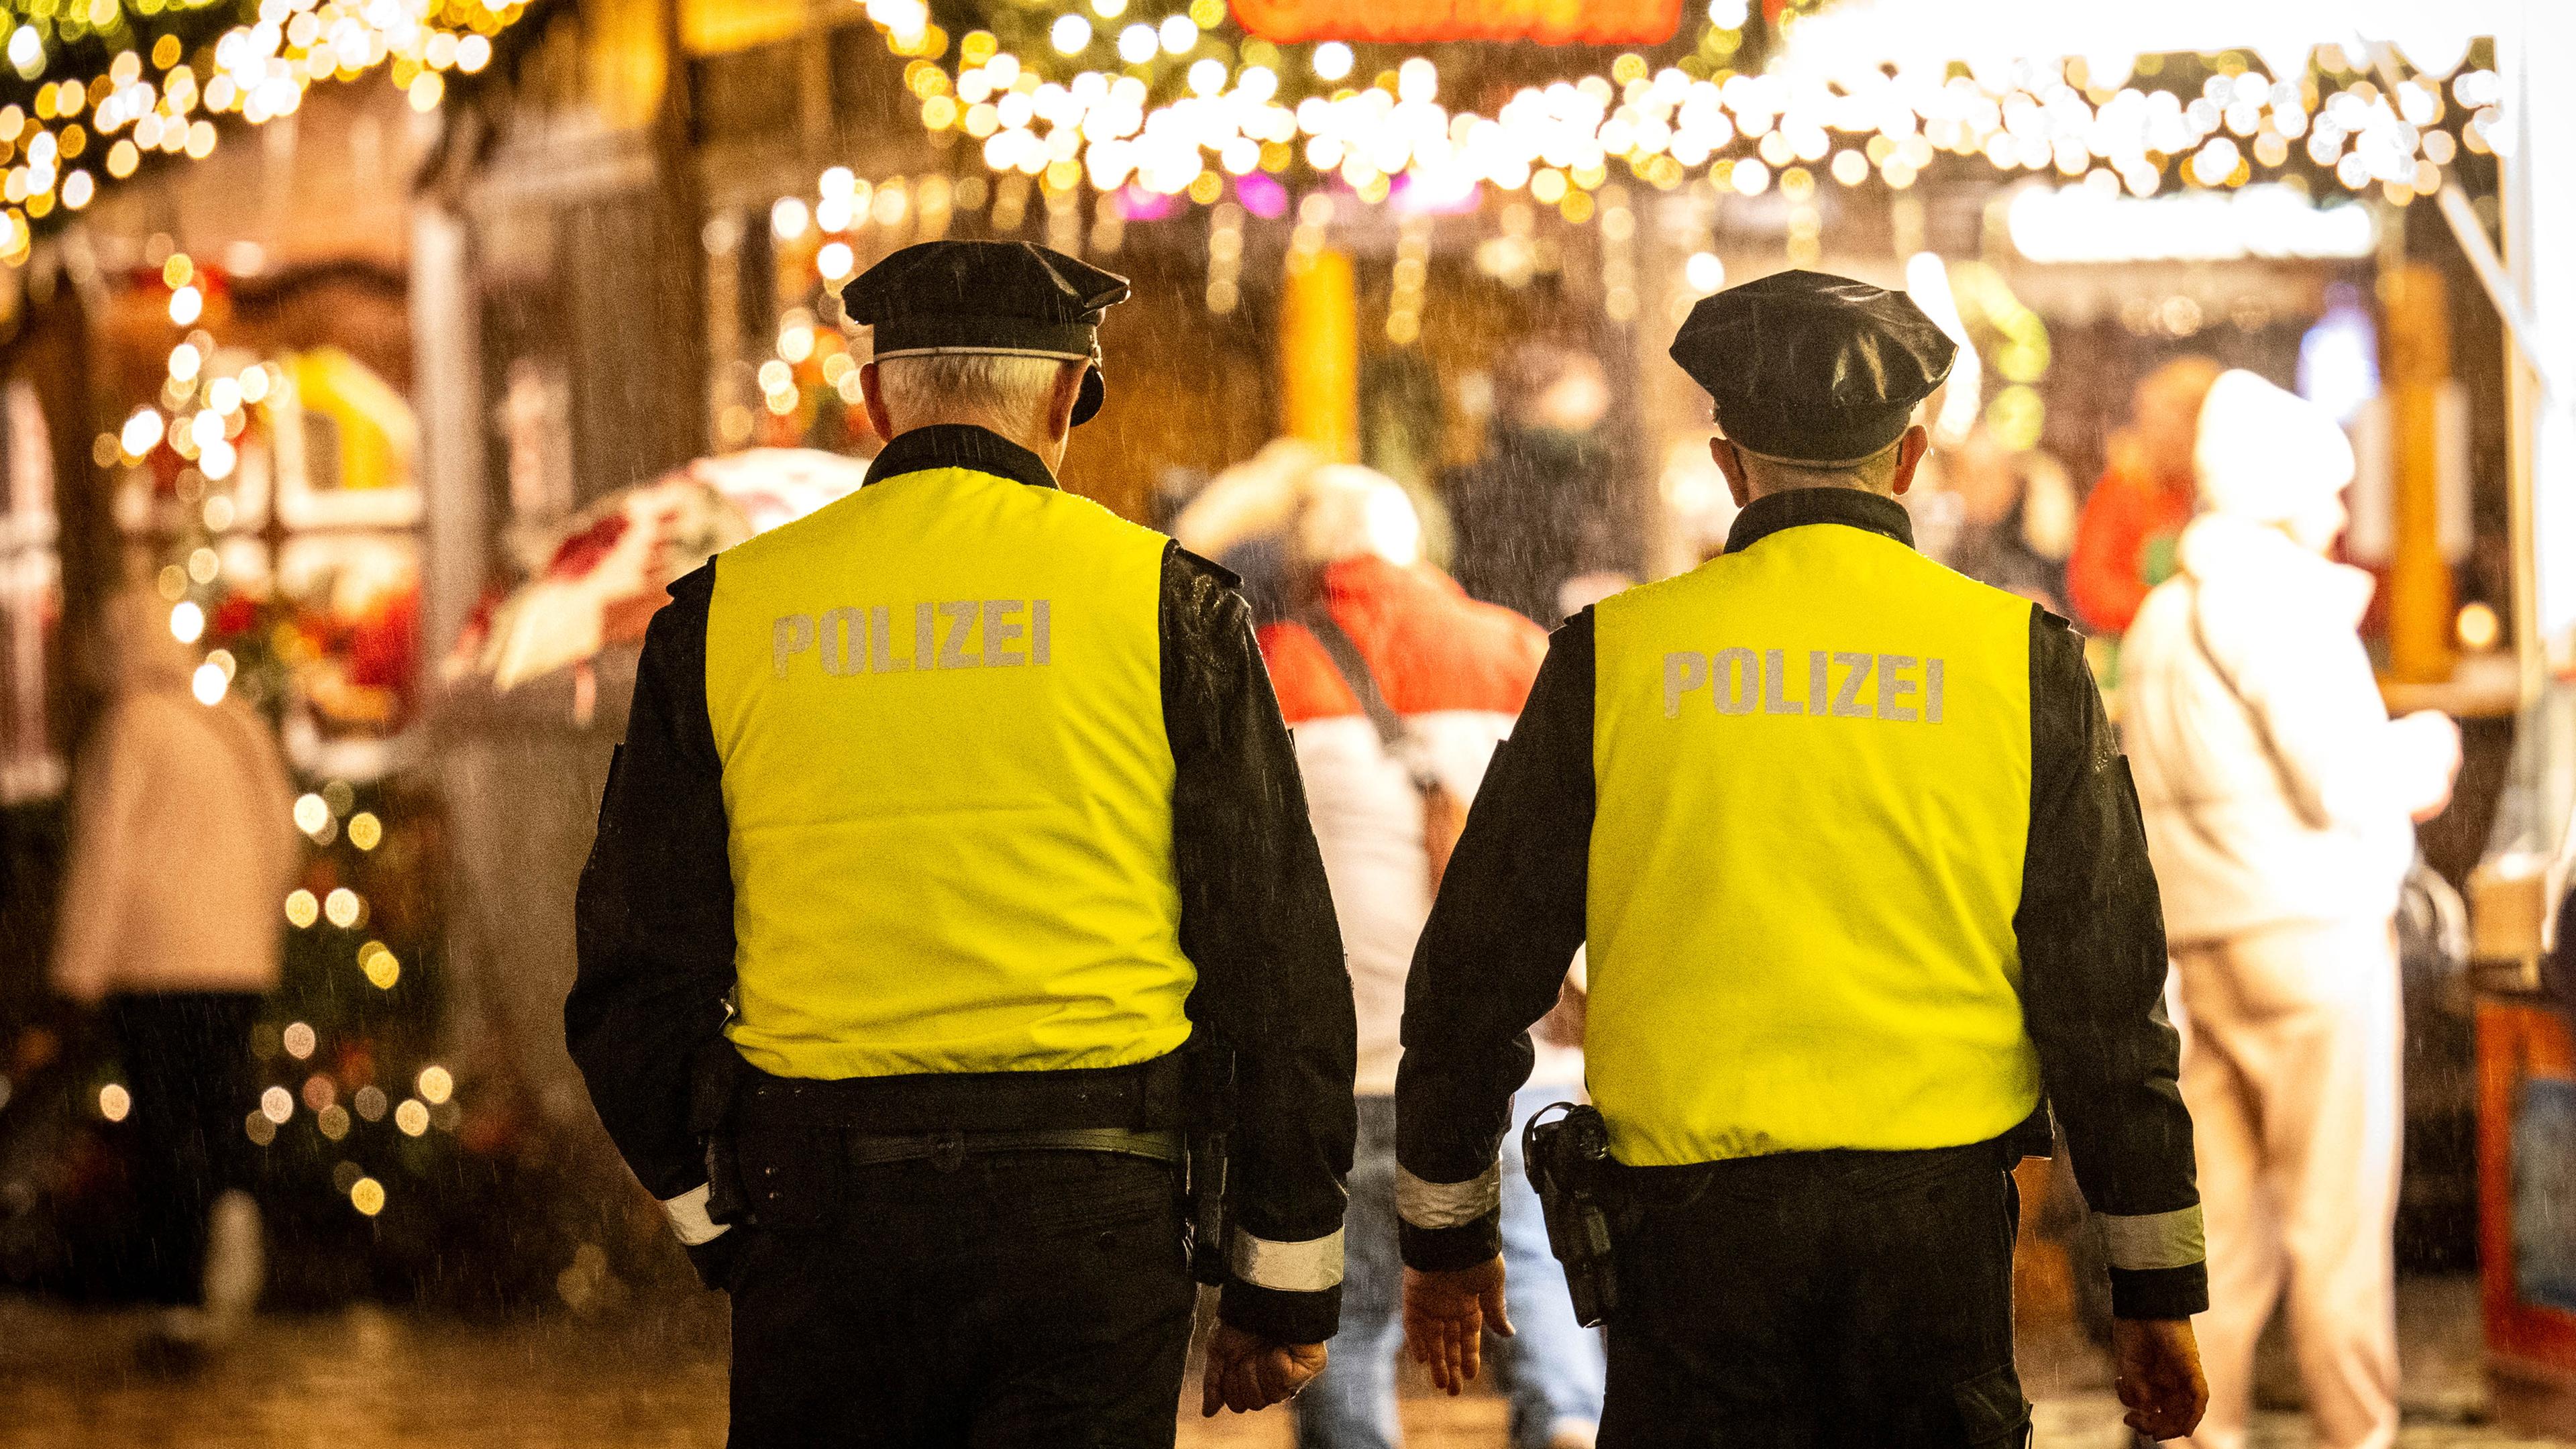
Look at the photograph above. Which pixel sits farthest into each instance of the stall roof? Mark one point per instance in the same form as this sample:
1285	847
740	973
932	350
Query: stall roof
1868	32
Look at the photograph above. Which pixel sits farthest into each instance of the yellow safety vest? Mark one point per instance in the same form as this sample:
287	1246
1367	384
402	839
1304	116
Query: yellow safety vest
948	789
1812	761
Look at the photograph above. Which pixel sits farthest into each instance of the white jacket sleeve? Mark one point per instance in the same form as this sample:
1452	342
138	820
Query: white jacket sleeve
1457	744
2309	685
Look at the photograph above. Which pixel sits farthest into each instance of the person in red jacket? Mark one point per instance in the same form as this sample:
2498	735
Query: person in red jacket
1396	686
2124	544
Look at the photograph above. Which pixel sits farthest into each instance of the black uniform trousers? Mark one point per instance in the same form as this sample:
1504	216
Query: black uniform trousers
1816	1299
1004	1299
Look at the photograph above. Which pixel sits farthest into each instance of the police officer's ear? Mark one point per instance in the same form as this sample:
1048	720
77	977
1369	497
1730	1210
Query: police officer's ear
1731	463
1909	456
1062	397
872	395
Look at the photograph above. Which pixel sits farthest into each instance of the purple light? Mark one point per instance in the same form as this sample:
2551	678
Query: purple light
1262	195
1135	203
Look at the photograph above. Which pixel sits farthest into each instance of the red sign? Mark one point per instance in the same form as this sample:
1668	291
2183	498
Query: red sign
1549	22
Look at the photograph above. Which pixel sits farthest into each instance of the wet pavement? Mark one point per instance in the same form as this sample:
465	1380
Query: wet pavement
372	1378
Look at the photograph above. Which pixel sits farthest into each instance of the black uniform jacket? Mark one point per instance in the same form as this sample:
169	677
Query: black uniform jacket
655	912
2090	928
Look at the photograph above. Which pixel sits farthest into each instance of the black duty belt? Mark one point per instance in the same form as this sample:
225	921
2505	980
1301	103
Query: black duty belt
947	1149
797	1144
1146	1097
1779	1171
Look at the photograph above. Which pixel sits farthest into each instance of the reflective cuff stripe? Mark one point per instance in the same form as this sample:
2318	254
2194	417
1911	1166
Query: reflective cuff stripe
2153	1240
688	1214
1447	1204
1308	1267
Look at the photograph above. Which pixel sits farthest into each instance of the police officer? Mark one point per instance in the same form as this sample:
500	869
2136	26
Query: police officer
1862	877
951	823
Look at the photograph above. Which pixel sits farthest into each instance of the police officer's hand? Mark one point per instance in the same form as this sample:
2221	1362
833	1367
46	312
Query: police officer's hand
1445	1318
2157	1366
1246	1371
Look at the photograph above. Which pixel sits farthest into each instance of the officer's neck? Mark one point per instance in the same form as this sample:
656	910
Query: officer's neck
1034	436
1760	488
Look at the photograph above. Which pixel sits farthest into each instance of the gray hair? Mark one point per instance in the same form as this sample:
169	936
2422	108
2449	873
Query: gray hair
998	390
1873	474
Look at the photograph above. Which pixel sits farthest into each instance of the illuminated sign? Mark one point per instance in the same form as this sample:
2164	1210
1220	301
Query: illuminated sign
1549	22
2081	224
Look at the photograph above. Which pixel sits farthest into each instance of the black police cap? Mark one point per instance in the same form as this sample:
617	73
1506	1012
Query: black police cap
1010	298
1813	368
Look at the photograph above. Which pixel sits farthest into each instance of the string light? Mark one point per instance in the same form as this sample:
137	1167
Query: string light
1663	125
1407	283
1619	294
2477	627
157	98
1225	257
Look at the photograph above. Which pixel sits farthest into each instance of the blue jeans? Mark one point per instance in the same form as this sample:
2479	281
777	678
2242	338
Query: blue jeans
1551	1368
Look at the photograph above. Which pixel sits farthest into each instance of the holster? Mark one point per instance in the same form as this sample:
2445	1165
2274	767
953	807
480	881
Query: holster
714	1077
2033	1137
1208	1120
1566	1158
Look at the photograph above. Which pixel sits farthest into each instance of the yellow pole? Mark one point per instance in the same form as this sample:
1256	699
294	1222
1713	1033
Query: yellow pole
2419	580
1319	354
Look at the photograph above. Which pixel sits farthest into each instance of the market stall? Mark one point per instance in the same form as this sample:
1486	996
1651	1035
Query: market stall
530	702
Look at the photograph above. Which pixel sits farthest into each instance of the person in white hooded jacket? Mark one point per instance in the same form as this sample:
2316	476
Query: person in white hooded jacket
2278	797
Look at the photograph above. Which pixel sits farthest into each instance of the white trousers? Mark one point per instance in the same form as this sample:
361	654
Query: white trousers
2291	1054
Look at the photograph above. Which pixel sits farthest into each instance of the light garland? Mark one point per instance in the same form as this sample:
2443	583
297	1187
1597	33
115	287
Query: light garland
1232	136
1236	112
203	408
153	99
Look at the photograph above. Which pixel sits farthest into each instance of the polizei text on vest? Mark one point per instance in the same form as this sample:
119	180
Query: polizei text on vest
945	634
1840	683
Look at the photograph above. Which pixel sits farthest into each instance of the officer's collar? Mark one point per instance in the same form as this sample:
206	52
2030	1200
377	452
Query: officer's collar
959	445
1796	507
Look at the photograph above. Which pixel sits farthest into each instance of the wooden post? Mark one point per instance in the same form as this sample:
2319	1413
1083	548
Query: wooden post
1319	354
2419	579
